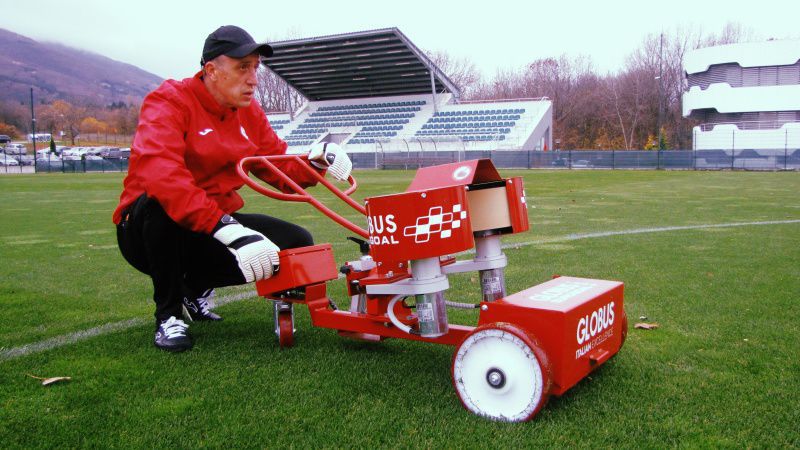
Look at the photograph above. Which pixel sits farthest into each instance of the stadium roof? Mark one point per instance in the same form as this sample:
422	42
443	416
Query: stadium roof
372	63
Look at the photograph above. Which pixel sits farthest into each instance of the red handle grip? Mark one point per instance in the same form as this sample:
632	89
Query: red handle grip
300	194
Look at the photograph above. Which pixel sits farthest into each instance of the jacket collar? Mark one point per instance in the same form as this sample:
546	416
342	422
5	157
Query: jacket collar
208	102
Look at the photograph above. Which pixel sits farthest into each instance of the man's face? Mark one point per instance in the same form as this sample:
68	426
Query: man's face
233	80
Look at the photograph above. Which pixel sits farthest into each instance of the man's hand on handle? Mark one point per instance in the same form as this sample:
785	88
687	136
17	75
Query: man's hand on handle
327	155
257	256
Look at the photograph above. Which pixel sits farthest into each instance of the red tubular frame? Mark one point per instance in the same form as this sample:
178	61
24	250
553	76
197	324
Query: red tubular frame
300	194
323	317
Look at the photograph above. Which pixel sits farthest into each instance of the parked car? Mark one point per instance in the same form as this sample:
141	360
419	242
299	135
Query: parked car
74	153
43	153
80	156
116	153
14	149
6	161
45	157
25	160
4	139
582	163
105	152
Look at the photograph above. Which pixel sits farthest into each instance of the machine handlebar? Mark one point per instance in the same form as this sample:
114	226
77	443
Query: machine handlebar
301	195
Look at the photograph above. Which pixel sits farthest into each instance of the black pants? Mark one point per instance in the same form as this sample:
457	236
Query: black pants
183	263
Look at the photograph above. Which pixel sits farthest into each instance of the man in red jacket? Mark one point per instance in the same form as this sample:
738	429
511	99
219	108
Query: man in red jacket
177	220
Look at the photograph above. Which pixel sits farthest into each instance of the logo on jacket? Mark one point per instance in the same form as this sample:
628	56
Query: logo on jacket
244	134
205	132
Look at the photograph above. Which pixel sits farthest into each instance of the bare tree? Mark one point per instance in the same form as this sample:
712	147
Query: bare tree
731	33
460	71
627	99
574	88
560	80
272	92
16	114
276	95
64	116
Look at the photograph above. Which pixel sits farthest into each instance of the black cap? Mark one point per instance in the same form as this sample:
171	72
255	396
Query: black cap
230	40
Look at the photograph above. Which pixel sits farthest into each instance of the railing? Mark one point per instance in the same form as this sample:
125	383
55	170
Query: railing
503	100
421	153
67	166
750	124
116	140
422	156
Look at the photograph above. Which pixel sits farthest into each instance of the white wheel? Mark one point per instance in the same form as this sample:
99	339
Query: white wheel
499	375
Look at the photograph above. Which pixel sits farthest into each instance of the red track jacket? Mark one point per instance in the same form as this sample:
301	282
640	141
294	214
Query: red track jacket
185	153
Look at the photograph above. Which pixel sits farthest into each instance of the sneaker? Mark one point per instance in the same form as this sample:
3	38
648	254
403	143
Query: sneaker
199	309
171	335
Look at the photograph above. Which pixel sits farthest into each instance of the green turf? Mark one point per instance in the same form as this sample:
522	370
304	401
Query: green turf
721	371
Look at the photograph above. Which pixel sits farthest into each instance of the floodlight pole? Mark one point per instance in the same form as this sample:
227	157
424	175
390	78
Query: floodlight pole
660	88
33	125
33	132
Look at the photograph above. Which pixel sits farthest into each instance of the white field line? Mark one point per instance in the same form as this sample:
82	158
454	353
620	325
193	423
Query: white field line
71	338
575	237
66	339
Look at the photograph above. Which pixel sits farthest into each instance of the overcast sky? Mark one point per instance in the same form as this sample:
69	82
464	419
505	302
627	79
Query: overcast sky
166	37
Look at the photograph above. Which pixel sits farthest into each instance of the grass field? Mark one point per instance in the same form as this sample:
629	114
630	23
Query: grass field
723	369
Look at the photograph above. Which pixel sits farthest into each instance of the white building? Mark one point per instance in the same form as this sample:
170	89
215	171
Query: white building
746	97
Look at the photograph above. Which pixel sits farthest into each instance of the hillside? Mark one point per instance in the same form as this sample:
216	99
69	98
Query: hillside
59	72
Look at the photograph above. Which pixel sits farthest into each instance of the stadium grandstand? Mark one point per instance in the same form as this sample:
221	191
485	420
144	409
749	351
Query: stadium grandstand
375	91
747	100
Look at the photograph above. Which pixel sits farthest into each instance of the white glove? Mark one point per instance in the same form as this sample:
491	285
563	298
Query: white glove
327	155
257	256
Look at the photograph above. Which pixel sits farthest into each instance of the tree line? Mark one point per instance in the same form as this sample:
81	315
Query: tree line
638	107
73	119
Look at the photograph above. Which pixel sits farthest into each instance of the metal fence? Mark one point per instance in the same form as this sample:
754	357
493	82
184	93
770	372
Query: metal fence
748	159
117	140
64	166
101	165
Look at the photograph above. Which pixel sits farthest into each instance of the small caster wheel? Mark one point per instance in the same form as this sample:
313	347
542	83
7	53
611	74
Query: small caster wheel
284	323
501	374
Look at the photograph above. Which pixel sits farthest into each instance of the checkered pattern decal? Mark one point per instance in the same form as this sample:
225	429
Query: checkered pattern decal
435	222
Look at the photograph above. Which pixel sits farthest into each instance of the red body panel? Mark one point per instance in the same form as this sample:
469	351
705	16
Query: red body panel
416	225
454	174
578	321
517	206
300	267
